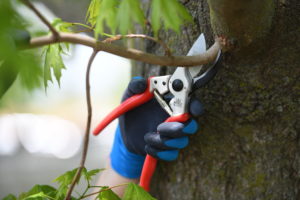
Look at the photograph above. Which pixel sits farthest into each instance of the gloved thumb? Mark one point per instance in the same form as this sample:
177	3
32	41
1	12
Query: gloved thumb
136	86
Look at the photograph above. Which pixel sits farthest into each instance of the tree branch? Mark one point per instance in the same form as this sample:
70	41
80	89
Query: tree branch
205	58
42	18
244	22
88	126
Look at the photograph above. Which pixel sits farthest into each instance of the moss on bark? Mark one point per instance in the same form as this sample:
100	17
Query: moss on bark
243	21
249	141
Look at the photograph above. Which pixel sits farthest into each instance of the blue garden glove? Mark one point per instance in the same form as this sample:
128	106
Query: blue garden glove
137	133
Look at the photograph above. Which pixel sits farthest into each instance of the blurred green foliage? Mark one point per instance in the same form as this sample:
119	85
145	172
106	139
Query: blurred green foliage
168	14
16	63
47	192
124	15
120	16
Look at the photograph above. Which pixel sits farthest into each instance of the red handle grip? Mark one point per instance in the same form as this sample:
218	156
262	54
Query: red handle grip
128	104
150	162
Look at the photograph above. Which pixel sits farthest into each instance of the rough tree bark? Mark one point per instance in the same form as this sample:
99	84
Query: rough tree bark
249	143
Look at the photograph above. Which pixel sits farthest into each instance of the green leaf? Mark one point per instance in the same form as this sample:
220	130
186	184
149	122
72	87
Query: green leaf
39	196
89	174
135	192
156	15
46	189
129	12
39	192
8	75
10	197
107	14
169	13
53	62
64	181
108	194
19	66
15	63
23	66
30	75
9	17
61	26
61	193
93	12
67	177
36	196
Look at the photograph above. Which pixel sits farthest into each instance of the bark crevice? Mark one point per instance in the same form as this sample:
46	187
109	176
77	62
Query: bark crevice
248	143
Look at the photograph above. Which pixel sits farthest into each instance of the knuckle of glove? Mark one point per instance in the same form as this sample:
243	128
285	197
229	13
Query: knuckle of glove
196	108
172	137
158	141
171	129
167	155
177	129
164	148
137	85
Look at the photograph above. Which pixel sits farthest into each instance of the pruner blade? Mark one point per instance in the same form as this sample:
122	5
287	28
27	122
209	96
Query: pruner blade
162	103
198	47
208	74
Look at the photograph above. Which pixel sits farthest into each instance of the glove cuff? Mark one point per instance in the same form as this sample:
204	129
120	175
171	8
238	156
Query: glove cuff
125	163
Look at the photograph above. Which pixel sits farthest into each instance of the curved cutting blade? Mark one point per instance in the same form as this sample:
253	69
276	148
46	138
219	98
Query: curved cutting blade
209	74
198	47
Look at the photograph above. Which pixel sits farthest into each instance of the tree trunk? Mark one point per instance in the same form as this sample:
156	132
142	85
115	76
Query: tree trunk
248	146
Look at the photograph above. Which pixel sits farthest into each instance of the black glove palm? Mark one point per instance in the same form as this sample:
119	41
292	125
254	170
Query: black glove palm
137	134
146	118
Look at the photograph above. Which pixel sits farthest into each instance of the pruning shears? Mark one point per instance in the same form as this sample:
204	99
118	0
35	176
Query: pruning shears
180	85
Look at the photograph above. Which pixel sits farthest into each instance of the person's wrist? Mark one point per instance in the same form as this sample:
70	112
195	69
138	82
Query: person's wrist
124	162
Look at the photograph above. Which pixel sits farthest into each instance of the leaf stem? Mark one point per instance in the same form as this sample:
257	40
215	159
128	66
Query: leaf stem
85	191
108	35
95	186
88	126
83	31
80	24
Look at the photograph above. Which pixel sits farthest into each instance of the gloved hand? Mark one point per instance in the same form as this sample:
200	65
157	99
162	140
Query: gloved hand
137	133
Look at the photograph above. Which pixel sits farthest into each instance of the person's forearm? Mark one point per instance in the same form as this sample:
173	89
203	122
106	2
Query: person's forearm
111	178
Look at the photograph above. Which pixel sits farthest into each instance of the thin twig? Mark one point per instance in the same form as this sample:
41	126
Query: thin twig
119	37
88	126
95	186
84	193
88	195
42	18
184	61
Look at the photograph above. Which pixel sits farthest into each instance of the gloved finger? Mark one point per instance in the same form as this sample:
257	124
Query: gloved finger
191	127
167	155
196	108
177	129
158	141
136	86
